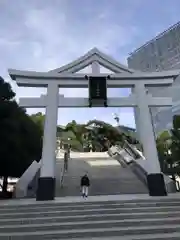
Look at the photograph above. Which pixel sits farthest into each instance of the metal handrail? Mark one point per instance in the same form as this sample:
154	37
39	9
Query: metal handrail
63	170
62	176
177	186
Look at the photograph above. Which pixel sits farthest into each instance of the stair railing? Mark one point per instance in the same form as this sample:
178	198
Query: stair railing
64	168
62	176
177	186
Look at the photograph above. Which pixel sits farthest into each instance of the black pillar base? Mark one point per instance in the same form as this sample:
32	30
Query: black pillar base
156	184
46	189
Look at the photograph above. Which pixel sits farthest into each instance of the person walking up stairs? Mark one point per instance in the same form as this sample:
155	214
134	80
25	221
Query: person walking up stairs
85	183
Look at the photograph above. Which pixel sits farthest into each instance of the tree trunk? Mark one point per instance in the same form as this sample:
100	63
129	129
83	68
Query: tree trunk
5	184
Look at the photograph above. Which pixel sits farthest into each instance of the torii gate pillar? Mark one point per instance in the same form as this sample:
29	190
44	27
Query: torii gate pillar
46	183
155	178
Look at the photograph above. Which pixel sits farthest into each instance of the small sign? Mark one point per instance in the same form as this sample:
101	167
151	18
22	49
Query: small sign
97	90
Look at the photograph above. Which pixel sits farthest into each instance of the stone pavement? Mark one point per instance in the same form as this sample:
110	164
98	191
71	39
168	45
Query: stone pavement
127	217
107	176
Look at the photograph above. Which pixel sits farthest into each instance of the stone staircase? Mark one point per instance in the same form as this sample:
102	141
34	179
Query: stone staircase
107	175
110	217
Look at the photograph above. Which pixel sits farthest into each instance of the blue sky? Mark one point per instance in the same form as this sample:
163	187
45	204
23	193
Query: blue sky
42	35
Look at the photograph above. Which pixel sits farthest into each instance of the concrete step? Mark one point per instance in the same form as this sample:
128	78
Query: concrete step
87	205
88	225
148	218
105	180
166	236
92	200
93	217
90	233
85	211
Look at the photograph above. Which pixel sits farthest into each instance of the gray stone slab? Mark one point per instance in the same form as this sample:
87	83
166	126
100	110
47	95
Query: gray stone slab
103	217
100	232
87	205
105	180
89	225
92	217
89	212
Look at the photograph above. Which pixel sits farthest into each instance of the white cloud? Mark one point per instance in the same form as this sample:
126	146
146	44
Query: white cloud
126	117
63	40
58	41
37	49
7	43
53	38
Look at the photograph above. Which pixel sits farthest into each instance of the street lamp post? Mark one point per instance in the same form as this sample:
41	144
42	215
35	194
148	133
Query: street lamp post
116	118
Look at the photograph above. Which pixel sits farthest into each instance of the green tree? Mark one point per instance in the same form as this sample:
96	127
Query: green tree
39	119
163	143
107	135
168	146
176	138
77	129
105	132
6	92
20	137
99	134
175	146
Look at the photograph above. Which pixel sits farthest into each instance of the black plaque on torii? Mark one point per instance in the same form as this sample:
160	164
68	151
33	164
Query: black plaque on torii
97	91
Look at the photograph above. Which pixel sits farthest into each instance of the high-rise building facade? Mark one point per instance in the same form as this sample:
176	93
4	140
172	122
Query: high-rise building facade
161	53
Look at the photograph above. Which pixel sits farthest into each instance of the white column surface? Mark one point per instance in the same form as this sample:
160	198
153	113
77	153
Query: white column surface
138	126
95	67
147	135
49	140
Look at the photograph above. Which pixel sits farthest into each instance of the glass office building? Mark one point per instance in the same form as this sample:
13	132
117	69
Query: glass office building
161	53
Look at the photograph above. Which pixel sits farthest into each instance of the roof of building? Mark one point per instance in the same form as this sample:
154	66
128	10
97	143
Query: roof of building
89	57
24	78
160	35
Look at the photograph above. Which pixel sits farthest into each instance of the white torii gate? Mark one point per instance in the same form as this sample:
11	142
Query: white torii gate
66	77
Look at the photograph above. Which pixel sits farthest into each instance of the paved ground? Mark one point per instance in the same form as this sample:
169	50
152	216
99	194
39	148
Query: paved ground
107	176
121	197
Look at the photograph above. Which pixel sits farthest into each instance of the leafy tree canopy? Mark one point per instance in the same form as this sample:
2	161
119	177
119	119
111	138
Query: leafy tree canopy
39	119
6	92
168	146
20	138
